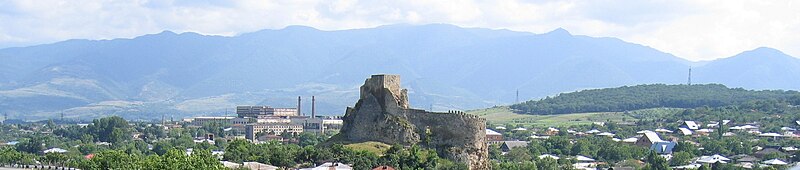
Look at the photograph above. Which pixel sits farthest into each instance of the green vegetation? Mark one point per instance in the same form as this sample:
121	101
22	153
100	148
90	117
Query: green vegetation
638	97
770	115
504	115
377	148
107	143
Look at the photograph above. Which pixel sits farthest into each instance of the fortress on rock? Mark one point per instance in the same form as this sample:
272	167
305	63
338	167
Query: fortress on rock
382	114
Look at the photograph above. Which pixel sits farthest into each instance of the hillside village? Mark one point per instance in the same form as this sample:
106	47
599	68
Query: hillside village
769	149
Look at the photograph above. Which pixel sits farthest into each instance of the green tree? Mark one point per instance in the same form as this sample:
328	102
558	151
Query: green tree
546	163
680	158
518	155
656	162
238	151
35	144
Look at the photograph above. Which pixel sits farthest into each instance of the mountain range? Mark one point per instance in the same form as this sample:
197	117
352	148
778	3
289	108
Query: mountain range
445	67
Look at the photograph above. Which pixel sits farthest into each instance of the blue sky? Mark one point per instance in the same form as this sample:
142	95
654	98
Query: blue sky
692	29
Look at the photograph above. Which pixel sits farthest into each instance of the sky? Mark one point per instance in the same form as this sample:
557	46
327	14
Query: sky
691	29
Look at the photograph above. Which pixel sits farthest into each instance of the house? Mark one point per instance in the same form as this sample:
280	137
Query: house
774	162
519	129
705	131
551	131
606	134
330	166
548	156
746	165
743	127
581	158
713	159
55	150
747	158
767	151
663	130
685	131
229	164
643	131
729	134
691	125
585	166
771	135
493	137
539	137
258	166
789	149
218	154
500	128
690	166
725	122
508	145
593	131
630	140
648	139
663	147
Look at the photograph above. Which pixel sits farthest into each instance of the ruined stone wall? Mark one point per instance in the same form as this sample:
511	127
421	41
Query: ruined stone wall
382	114
457	136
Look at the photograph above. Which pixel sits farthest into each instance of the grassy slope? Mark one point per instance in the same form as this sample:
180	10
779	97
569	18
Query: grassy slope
502	115
375	147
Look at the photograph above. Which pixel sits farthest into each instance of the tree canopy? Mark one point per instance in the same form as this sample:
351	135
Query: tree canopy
628	98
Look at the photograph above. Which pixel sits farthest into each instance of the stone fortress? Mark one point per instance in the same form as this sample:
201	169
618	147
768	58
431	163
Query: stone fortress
382	114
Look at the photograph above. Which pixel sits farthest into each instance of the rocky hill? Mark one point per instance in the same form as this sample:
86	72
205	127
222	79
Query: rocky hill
382	114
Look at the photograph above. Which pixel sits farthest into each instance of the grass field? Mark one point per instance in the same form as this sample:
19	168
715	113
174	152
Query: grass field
502	115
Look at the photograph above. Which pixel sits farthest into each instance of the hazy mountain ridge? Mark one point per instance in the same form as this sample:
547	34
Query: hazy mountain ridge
444	65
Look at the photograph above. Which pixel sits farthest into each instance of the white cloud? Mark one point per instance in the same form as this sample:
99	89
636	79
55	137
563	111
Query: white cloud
696	30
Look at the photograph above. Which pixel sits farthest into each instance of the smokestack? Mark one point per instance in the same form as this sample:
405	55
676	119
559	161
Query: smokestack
313	109
299	113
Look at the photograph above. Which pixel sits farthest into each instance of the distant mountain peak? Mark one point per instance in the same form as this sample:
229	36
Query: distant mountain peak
167	32
300	28
763	52
559	31
766	50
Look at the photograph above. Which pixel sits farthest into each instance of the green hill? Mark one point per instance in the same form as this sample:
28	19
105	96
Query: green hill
638	97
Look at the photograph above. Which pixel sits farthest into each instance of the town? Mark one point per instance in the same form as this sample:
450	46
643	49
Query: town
382	132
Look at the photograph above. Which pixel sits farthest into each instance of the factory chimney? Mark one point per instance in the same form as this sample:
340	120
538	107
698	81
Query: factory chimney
299	113
313	109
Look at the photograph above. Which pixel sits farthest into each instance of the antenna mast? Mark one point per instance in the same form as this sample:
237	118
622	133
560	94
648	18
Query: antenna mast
690	76
517	100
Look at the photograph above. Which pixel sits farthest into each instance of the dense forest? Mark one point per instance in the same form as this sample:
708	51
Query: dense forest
628	98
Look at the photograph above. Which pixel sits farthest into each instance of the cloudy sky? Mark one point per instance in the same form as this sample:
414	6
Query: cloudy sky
692	29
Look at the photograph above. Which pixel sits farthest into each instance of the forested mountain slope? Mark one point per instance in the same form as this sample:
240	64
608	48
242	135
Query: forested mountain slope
637	97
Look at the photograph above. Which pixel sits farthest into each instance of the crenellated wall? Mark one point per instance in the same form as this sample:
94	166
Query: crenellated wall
382	114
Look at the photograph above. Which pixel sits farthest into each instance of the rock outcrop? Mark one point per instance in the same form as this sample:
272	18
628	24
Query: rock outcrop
382	114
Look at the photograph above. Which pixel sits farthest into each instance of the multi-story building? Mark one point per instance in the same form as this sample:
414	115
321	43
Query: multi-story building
272	128
256	111
200	121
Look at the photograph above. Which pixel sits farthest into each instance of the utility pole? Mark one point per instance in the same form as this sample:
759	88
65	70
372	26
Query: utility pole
517	101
